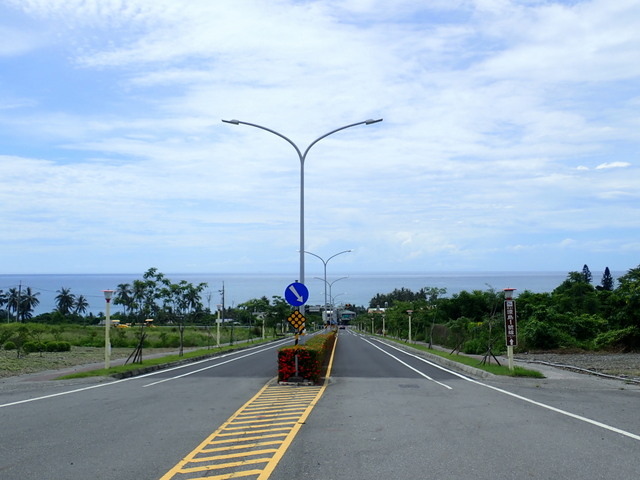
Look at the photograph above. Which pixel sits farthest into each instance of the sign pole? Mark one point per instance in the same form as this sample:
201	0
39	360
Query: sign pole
510	324
296	294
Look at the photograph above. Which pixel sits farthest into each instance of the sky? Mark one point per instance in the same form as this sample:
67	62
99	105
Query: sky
510	138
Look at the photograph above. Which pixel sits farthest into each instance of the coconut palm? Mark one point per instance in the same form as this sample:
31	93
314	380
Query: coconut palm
124	297
65	300
81	304
28	302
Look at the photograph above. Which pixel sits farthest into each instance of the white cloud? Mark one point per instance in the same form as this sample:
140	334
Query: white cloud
506	123
608	165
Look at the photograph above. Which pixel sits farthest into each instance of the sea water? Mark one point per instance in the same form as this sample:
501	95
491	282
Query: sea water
357	289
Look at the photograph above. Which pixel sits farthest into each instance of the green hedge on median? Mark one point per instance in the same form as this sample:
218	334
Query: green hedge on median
311	358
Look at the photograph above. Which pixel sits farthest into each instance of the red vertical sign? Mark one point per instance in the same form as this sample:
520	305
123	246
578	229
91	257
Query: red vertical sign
510	323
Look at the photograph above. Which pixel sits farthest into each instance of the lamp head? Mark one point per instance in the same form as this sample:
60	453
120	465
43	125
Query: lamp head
370	121
234	122
508	293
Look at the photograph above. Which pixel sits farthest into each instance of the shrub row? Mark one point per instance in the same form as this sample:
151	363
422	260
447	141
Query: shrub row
311	358
30	347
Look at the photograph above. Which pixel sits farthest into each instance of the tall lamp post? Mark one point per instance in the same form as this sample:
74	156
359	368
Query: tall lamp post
410	312
384	314
302	157
330	297
107	327
324	262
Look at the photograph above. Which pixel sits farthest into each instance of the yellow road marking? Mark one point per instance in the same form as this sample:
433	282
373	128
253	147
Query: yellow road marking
259	433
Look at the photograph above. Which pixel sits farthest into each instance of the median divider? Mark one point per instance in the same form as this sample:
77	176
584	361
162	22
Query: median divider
305	364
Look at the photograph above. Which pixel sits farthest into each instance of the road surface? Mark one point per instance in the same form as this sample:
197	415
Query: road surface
385	412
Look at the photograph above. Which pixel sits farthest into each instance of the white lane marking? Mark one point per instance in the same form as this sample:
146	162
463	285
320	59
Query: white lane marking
529	400
204	368
157	372
190	364
408	366
53	395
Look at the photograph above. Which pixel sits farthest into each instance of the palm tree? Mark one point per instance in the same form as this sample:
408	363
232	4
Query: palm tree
13	301
138	296
124	297
28	302
65	300
81	305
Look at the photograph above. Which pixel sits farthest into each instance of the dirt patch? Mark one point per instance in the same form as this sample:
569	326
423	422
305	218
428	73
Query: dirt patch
11	365
617	364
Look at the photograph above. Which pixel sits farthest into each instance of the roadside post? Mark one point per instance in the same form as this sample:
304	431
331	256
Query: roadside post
510	324
107	327
218	320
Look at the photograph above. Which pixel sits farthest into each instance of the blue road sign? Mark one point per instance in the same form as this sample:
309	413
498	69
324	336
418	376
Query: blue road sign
296	294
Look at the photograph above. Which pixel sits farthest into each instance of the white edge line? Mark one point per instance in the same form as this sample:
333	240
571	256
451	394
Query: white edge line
115	382
408	366
525	399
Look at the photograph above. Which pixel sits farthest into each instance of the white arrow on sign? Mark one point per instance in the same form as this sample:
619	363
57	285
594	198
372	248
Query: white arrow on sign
295	292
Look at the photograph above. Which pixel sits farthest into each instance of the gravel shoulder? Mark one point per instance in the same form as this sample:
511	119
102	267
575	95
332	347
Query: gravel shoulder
79	358
621	365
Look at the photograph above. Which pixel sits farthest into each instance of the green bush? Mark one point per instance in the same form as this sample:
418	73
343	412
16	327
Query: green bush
10	345
57	346
30	347
476	346
311	357
537	334
624	339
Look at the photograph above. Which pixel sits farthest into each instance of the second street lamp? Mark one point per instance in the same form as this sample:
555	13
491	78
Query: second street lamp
324	262
302	157
330	297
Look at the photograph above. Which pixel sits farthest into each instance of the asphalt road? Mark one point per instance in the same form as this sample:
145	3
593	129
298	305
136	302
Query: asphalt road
137	428
385	413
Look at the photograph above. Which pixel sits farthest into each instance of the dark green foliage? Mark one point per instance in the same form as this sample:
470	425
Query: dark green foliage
623	339
540	335
57	346
30	347
628	292
586	274
575	295
575	315
401	295
607	281
475	346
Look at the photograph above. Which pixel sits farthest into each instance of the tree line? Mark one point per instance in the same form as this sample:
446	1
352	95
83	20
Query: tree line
576	314
153	296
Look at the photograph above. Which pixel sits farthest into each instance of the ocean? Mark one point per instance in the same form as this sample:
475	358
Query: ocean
356	289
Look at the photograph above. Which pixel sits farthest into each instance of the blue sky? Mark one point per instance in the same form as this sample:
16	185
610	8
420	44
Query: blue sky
510	138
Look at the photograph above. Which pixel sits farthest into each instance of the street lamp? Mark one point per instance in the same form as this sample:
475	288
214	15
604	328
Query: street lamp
107	326
218	327
410	312
325	292
384	331
302	157
324	262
